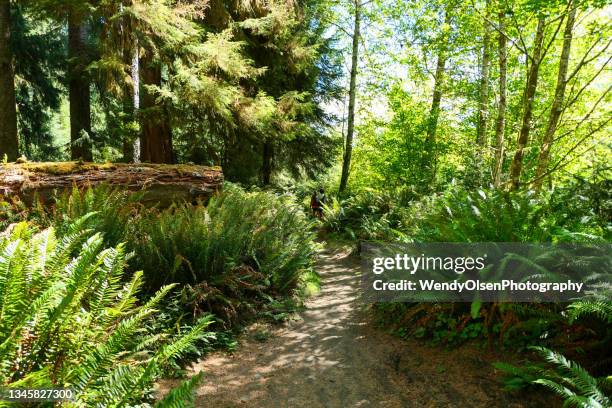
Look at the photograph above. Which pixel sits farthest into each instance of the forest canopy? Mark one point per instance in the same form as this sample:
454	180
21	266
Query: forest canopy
237	84
491	92
505	92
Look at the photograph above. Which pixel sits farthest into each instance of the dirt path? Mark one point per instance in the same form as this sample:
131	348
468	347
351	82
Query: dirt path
332	357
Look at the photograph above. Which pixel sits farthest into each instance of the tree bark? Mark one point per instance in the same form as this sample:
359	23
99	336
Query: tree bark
131	144
434	112
430	157
481	128
500	123
78	89
348	147
266	168
557	105
516	167
135	75
156	136
162	184
9	143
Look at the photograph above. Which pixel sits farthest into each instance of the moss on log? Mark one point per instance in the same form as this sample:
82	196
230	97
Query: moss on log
161	183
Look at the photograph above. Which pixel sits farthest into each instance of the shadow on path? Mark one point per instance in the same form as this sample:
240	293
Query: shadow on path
333	358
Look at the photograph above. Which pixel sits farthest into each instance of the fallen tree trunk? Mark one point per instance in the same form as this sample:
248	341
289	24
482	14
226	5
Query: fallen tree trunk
161	183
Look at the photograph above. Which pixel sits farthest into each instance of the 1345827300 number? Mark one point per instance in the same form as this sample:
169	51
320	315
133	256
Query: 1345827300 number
36	394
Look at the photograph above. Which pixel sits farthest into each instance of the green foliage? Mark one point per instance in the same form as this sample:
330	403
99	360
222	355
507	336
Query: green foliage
235	76
11	211
173	319
390	153
231	253
240	241
459	215
564	377
40	63
181	396
300	71
573	383
483	215
510	218
602	309
511	326
369	214
518	378
73	321
112	211
400	82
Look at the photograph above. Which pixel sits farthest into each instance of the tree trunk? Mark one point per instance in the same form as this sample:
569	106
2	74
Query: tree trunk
348	147
266	168
481	128
78	89
156	139
516	167
430	157
557	106
500	123
9	144
434	112
131	144
162	184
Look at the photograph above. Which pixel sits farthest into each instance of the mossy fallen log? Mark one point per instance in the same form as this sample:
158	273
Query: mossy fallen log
160	183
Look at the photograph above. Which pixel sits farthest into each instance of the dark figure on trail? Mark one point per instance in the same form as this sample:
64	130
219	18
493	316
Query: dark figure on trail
315	205
322	202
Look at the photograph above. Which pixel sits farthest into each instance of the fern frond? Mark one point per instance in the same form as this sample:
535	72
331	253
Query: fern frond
571	381
601	309
181	396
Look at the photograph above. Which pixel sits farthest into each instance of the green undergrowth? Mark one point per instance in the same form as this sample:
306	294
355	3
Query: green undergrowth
572	340
242	257
72	317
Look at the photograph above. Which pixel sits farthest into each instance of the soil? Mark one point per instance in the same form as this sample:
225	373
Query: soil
332	356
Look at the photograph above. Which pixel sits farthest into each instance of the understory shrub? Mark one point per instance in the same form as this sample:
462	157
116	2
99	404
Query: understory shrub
240	249
237	252
70	318
112	211
576	213
368	215
499	216
247	240
564	377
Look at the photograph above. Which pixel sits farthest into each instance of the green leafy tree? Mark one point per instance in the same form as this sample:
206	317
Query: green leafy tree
40	68
286	41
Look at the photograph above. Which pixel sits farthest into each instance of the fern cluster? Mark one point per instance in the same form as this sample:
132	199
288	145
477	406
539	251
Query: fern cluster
477	215
188	244
70	318
573	383
599	308
581	328
257	238
564	377
458	215
368	215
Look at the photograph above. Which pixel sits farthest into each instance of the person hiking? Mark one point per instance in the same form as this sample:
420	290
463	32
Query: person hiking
322	202
315	205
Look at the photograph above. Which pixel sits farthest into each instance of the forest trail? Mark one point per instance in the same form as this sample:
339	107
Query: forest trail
331	357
